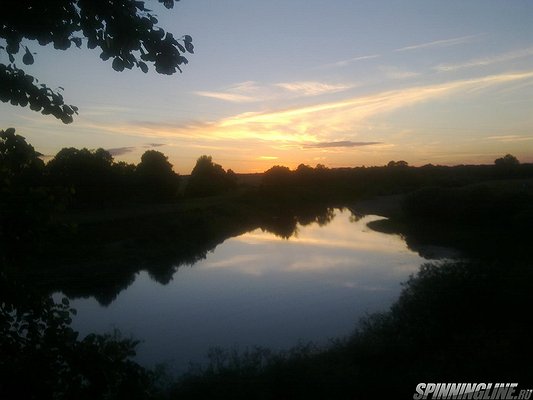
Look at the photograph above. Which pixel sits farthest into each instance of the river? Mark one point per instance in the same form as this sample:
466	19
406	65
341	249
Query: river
259	289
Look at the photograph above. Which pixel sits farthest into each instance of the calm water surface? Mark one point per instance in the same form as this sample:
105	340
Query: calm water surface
259	289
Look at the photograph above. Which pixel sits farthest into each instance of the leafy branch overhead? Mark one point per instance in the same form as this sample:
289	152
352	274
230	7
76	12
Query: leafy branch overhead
124	31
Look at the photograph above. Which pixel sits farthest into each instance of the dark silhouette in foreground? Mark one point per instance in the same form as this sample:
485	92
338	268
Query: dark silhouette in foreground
44	358
123	30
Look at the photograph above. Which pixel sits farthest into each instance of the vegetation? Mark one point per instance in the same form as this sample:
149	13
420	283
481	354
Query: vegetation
84	224
44	358
208	179
125	31
443	328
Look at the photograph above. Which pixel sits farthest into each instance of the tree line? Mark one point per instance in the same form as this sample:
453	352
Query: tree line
82	178
93	177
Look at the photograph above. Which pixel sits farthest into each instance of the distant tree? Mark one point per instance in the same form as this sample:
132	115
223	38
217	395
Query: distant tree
208	178
395	164
507	161
124	30
86	173
157	179
277	176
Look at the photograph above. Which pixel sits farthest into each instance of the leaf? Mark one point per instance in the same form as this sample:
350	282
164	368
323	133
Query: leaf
187	38
143	67
91	42
118	64
190	47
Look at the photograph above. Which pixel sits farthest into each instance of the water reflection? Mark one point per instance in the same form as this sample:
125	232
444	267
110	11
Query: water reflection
258	289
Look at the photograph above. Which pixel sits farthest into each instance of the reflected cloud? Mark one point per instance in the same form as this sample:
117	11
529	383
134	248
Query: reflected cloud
366	288
233	261
342	234
342	248
321	263
248	264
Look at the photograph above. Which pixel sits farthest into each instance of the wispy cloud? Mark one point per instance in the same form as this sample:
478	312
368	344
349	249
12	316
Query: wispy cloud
344	63
242	92
319	123
511	138
397	73
480	62
232	97
311	88
342	143
248	92
440	43
118	151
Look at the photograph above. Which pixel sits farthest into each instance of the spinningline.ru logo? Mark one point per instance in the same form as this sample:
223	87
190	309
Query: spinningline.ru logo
485	391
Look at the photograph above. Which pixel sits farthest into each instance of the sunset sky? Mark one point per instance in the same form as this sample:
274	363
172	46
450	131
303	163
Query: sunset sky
340	83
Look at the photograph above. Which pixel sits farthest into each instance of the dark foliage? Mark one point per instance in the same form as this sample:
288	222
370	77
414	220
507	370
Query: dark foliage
26	203
156	178
208	179
44	358
454	322
95	180
125	32
307	184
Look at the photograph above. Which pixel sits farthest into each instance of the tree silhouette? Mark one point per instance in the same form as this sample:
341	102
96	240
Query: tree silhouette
23	202
157	179
507	161
18	159
396	164
124	30
208	178
86	173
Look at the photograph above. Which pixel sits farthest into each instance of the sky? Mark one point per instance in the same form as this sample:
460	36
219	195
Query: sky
282	82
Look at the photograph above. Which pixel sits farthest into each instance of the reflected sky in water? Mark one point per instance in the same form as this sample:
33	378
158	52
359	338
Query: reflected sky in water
259	289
